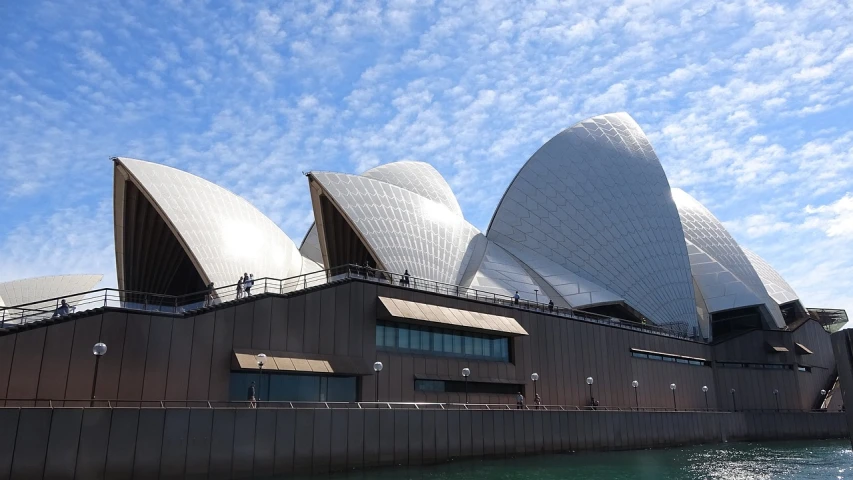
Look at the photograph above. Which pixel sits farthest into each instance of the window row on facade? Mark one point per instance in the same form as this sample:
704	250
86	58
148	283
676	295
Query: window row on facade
665	357
278	387
441	341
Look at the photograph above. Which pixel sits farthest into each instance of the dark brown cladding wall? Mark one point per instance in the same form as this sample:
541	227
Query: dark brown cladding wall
176	443
156	357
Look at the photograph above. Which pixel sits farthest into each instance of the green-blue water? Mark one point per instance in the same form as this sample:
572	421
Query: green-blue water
732	461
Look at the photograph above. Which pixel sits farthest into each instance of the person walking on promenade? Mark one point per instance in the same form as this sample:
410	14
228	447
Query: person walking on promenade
251	396
515	297
550	306
239	288
208	299
537	401
406	277
247	285
519	401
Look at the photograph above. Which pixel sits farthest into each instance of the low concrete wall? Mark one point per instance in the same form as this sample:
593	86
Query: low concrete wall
99	443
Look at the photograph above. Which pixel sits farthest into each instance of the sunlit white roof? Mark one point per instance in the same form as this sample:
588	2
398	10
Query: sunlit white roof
405	230
595	203
775	285
28	290
724	274
222	233
417	177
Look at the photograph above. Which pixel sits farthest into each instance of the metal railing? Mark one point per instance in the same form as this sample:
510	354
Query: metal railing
295	405
179	304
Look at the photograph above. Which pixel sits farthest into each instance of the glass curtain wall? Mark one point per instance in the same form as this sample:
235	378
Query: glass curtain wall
293	388
441	341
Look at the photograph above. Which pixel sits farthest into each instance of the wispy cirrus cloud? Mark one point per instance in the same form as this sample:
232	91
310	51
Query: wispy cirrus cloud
745	102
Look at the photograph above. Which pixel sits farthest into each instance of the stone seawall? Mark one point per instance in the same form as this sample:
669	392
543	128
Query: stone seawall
144	443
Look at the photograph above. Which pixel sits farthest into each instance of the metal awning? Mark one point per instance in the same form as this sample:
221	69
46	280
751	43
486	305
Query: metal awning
802	349
404	310
776	348
299	363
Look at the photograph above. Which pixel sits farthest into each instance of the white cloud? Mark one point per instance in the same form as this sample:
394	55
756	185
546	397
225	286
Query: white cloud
745	102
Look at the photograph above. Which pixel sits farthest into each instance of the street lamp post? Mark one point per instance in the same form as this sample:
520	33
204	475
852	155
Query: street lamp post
535	377
377	367
674	405
98	350
589	381
261	358
822	397
705	391
734	400
536	291
465	373
776	396
636	384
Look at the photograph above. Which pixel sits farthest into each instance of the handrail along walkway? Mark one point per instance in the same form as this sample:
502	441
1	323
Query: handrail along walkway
179	304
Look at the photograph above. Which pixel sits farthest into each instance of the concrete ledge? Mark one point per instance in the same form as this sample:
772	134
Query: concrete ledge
242	443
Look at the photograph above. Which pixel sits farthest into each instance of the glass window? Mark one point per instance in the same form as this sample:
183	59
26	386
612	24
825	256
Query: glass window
425	335
448	342
390	336
478	346
341	389
468	345
441	341
403	341
380	335
437	341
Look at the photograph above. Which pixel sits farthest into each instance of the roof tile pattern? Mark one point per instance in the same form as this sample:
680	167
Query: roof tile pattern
502	274
728	273
776	286
594	200
28	290
418	177
406	230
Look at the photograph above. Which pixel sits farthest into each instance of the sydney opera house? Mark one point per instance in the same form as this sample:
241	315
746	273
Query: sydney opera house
612	287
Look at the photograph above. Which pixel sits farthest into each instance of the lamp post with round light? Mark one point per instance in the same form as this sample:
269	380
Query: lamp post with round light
705	391
535	377
776	396
466	372
734	400
377	367
98	350
822	397
261	359
634	385
674	405
589	381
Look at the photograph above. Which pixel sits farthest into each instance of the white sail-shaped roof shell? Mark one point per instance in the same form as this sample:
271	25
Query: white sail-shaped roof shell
29	290
594	202
405	230
502	274
310	247
776	286
724	274
222	233
416	177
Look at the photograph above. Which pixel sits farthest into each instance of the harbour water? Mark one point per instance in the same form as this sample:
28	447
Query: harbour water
831	459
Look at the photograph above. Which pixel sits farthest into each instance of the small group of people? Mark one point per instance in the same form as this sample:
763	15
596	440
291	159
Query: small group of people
519	401
244	285
404	280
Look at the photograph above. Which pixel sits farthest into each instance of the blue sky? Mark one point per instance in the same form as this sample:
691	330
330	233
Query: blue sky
748	105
